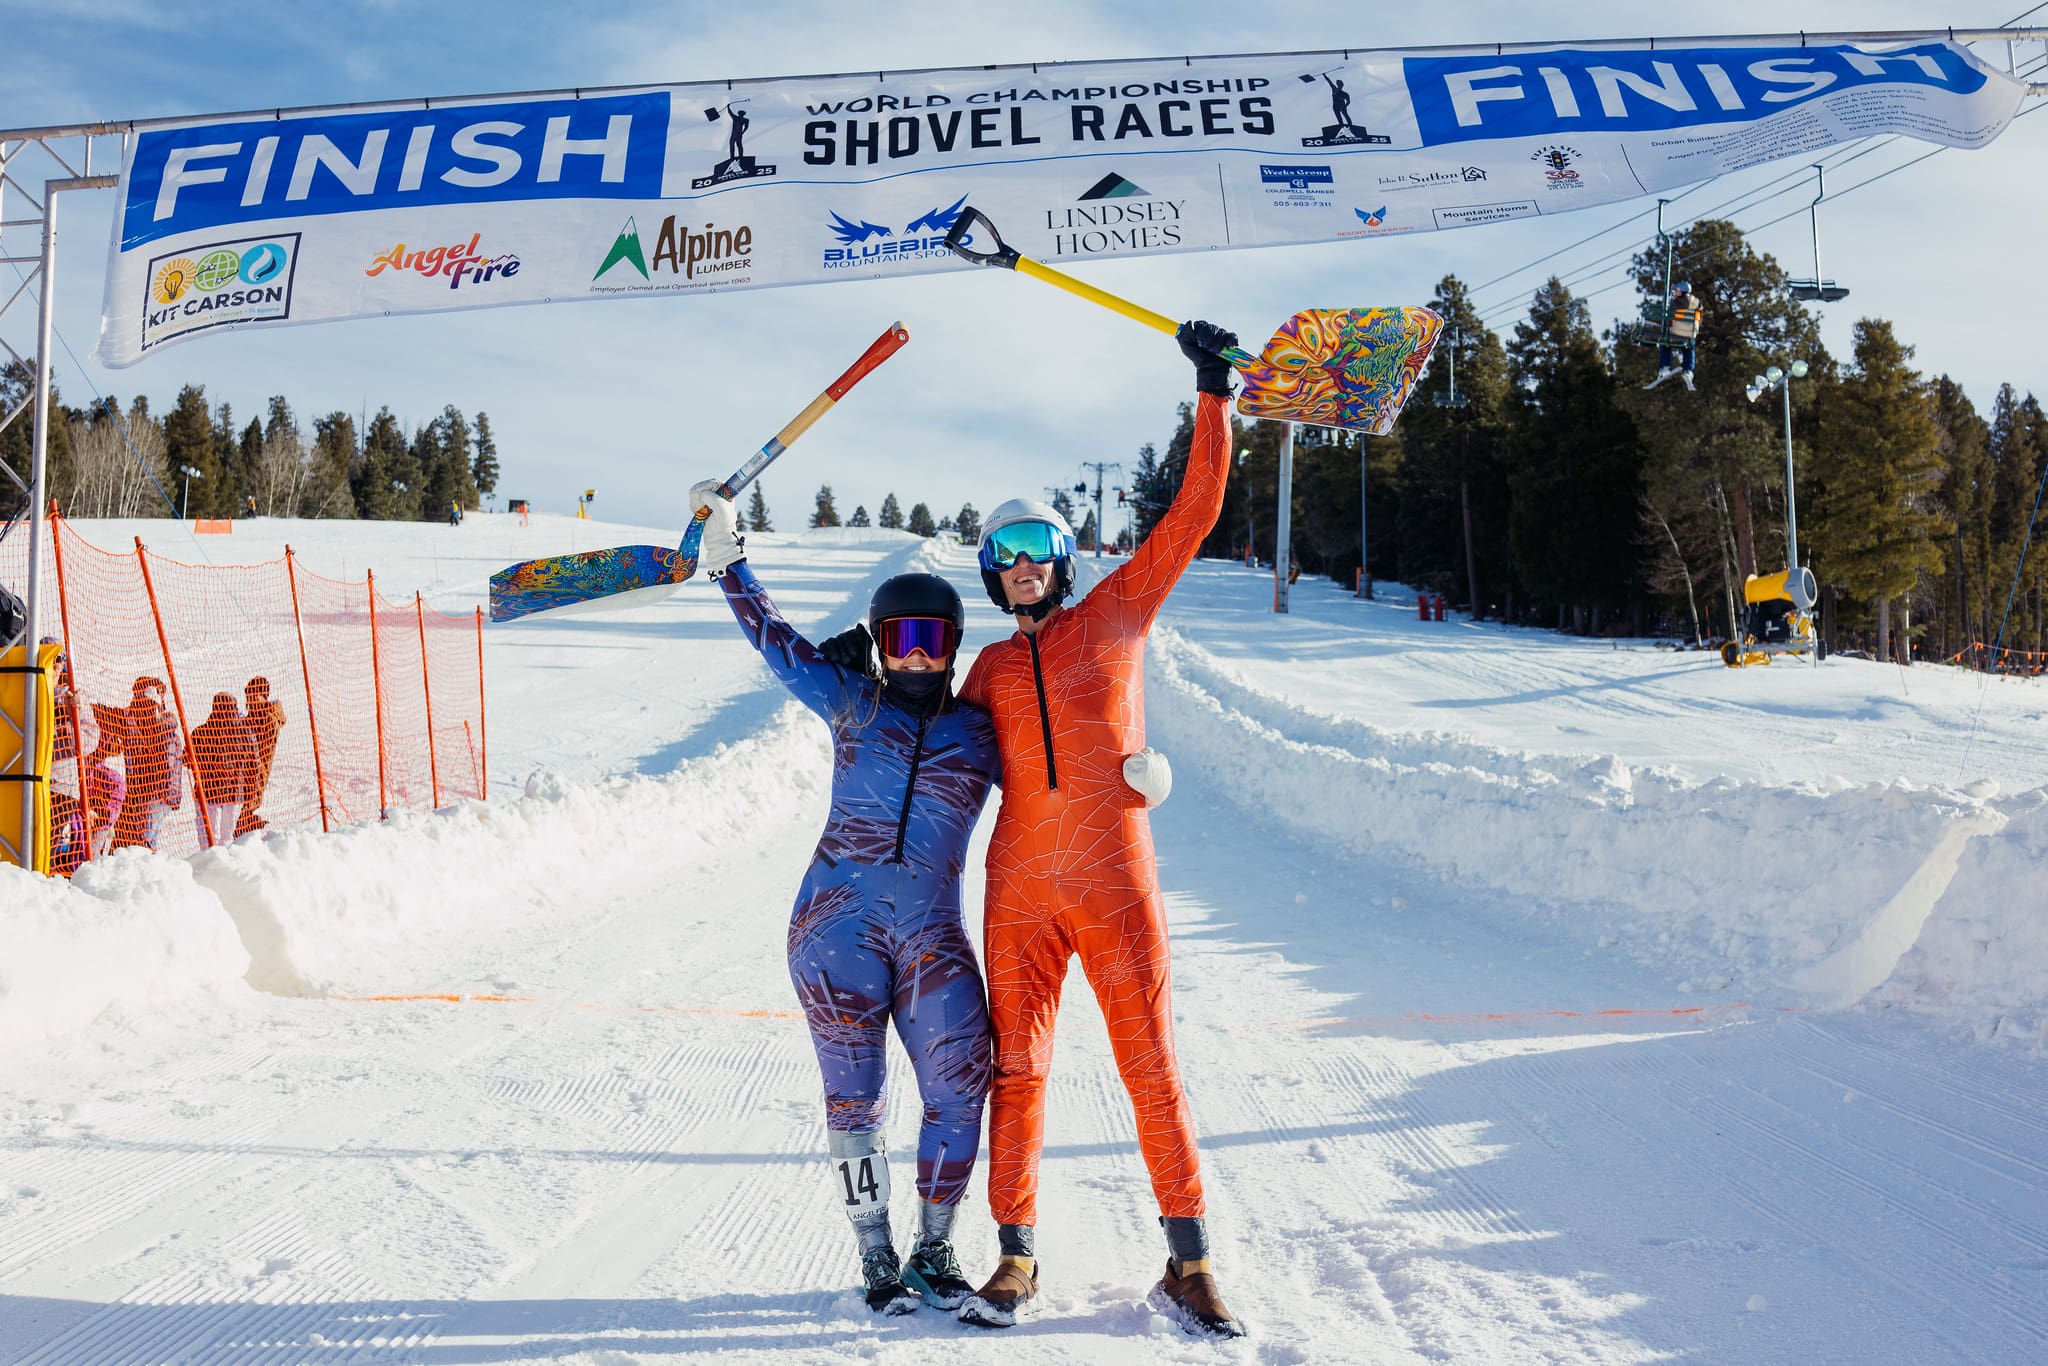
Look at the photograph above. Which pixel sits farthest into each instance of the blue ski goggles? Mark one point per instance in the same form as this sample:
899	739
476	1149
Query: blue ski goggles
1042	541
938	637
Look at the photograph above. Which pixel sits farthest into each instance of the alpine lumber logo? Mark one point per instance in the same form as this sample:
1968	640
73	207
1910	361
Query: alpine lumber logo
1112	186
626	248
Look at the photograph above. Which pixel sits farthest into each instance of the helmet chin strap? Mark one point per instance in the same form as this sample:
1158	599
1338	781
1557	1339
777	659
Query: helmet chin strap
1040	610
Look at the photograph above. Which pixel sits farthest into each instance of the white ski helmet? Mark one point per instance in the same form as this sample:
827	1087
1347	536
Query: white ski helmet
1028	510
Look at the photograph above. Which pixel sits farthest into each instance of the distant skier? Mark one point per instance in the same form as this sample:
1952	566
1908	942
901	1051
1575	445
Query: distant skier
876	932
1070	866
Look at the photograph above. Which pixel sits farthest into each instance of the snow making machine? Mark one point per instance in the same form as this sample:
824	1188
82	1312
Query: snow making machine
1777	619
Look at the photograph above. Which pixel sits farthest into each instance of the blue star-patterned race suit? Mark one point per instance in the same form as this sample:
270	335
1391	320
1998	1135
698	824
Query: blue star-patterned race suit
876	931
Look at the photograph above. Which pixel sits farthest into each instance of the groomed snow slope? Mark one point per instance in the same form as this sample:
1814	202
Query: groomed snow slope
1535	998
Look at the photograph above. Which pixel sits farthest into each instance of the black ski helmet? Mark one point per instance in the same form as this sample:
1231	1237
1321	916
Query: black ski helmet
916	595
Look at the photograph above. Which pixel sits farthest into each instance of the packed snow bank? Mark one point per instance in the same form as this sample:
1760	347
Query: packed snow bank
131	930
1779	894
384	908
1982	958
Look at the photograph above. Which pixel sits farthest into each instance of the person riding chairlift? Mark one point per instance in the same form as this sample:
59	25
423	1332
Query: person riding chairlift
1679	347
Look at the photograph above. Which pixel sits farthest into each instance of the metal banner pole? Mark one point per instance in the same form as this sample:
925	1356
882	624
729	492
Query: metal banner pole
32	680
1283	522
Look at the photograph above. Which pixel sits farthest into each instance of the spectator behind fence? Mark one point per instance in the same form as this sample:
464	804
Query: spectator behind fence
224	760
106	790
265	719
156	754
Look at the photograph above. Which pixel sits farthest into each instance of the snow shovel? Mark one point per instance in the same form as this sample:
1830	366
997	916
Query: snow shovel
1329	367
558	581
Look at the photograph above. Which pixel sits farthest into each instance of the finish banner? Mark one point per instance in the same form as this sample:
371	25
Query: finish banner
417	208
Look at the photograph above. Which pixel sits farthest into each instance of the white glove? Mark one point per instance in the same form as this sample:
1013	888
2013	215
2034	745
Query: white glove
721	544
1149	775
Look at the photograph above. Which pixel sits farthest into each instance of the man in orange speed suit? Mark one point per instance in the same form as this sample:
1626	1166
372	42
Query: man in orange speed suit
1070	866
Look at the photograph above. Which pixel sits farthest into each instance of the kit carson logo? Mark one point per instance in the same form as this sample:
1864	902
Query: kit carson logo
737	164
218	285
865	243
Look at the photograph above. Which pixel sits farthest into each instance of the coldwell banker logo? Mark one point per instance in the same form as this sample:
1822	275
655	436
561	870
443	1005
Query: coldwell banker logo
1101	219
219	284
1557	167
864	243
1298	186
737	164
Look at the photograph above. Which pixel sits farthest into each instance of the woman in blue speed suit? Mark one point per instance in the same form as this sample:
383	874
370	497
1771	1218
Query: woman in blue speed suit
876	932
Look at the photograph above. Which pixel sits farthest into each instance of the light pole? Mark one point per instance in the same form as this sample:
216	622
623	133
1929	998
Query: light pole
1775	378
1250	554
185	507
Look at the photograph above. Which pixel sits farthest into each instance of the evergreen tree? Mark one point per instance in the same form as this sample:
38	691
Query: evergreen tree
757	511
188	444
920	523
945	526
1088	533
2019	452
382	472
860	515
891	517
329	492
17	439
248	463
484	471
826	514
1962	595
1063	504
1572	466
1150	491
1451	498
447	466
968	523
1877	524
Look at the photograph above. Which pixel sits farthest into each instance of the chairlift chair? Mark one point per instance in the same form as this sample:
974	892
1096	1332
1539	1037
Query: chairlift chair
1817	290
1660	324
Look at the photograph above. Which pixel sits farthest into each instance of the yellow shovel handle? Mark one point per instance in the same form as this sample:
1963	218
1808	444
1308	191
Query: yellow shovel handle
1159	322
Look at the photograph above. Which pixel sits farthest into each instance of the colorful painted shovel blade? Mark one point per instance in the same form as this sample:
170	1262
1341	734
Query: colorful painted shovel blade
1341	367
566	580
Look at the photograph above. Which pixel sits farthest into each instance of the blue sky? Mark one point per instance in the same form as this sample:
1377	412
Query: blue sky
1006	386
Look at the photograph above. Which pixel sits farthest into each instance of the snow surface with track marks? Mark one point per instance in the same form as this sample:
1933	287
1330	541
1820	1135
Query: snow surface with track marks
1540	1000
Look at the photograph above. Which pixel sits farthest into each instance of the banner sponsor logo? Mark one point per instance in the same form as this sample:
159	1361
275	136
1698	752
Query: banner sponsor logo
710	251
862	243
1538	94
625	251
1475	215
205	177
218	284
1375	224
459	262
1557	167
1430	180
1298	187
1104	218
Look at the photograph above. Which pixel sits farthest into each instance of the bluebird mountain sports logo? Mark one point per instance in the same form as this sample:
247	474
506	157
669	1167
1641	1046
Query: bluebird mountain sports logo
862	243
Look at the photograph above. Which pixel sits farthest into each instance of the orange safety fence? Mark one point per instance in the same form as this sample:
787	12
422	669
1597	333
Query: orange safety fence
2005	659
201	702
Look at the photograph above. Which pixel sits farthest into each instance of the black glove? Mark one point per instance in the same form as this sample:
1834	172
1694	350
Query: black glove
852	650
1200	342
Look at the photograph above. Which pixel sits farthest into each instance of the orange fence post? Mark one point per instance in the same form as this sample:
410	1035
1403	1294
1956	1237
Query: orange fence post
291	572
377	679
184	731
70	674
483	776
419	611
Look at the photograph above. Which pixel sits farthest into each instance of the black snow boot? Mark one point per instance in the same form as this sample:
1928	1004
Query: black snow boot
884	1276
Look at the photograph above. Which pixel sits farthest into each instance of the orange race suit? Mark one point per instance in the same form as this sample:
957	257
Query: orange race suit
1070	866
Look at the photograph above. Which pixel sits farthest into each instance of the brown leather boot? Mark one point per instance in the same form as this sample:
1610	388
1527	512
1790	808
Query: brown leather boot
1008	1295
1191	1296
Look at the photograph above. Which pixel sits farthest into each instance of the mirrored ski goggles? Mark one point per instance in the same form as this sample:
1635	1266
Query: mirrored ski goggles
936	636
1042	541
